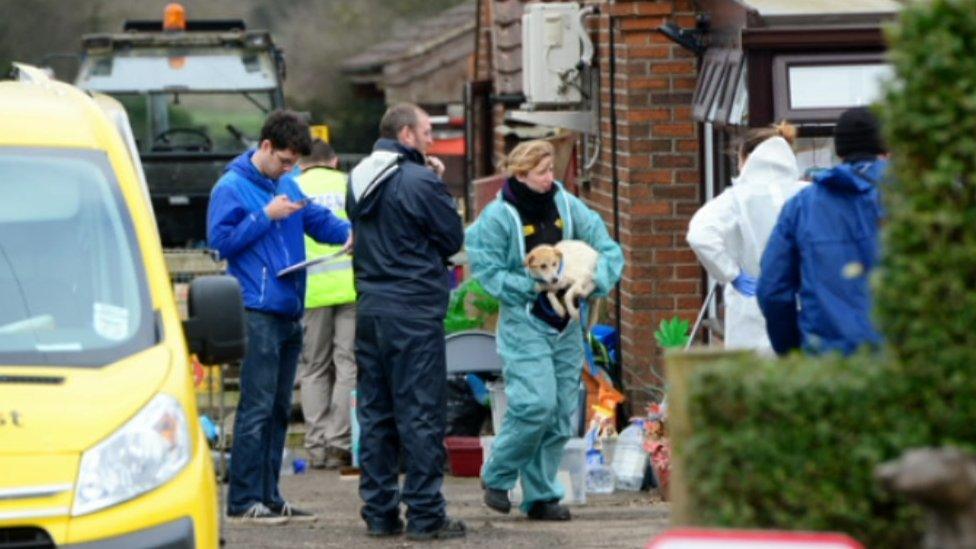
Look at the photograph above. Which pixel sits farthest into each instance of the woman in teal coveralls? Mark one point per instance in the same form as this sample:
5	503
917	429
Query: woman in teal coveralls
542	353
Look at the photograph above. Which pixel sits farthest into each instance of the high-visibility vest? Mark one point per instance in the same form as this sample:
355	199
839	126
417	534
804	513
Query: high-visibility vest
331	282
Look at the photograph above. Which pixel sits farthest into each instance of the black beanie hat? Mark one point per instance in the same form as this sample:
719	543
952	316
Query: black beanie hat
858	132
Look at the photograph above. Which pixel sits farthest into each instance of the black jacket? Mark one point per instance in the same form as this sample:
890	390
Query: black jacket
405	226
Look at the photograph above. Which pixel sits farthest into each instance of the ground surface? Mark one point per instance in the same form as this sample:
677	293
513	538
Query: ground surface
624	519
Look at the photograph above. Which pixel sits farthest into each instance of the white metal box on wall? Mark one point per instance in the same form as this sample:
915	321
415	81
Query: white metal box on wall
551	53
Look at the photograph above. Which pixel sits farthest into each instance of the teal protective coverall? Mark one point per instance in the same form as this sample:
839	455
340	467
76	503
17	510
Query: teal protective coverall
542	367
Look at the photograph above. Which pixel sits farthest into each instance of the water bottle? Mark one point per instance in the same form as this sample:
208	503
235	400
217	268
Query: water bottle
599	475
629	458
287	467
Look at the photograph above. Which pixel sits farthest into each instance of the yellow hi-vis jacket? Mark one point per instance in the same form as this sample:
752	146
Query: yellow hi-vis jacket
329	283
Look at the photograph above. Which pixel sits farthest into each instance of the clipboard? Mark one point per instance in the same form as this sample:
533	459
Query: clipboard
310	262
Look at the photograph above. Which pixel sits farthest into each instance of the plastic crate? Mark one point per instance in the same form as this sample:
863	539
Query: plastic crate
464	456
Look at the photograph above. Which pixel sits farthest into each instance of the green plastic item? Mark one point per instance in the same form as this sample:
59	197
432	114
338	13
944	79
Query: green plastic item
457	319
673	334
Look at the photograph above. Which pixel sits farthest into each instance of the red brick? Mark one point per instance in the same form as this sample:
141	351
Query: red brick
676	192
644	115
674	130
673	67
675	256
687	145
687	271
648	8
674	161
649	52
678	287
652	145
684	83
671	224
688	302
652	176
651	208
649	83
648	240
649	24
687	176
678	99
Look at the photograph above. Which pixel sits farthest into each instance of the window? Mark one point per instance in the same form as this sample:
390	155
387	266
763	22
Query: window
72	282
820	87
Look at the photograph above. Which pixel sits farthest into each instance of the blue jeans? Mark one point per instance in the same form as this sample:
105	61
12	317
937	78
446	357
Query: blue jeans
267	382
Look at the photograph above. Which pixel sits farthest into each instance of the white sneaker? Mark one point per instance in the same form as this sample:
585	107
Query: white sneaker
258	514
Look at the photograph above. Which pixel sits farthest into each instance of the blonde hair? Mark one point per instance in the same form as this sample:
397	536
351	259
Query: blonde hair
756	136
526	156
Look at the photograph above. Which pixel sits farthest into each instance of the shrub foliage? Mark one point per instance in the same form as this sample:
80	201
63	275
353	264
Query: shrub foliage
793	444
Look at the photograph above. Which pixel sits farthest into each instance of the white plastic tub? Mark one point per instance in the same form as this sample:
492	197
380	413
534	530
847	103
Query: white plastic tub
571	474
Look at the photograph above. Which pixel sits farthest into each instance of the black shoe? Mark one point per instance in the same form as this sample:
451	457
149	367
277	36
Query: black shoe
376	530
548	510
497	500
294	513
450	529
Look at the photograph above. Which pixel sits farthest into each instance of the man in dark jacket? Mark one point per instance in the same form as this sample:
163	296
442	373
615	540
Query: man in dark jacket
406	227
256	221
813	288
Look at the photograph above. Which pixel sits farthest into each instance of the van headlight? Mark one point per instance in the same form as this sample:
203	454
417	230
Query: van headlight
145	453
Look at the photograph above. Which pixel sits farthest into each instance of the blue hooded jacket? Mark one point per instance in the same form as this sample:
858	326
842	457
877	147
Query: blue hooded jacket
813	288
406	226
255	246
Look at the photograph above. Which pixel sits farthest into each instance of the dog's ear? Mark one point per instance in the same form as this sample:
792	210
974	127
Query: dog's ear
559	253
530	260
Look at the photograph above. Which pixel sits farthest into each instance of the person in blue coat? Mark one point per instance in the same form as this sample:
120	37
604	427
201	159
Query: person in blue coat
407	226
256	220
813	289
542	353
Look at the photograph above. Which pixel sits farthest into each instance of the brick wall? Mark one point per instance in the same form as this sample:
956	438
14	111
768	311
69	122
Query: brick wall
658	174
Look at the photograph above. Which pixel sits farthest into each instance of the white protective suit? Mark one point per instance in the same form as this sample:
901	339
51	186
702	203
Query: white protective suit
729	233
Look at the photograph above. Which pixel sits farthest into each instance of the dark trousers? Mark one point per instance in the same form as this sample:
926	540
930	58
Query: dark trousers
400	391
261	423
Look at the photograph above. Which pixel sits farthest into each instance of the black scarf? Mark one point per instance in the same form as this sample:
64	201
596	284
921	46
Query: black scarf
540	216
531	205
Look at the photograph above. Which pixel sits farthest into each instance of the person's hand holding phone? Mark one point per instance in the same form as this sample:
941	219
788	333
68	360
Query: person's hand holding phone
282	207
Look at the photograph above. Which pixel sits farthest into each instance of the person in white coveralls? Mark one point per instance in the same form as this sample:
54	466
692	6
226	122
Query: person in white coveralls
729	233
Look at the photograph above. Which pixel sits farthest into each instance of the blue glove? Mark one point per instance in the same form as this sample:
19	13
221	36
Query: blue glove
745	284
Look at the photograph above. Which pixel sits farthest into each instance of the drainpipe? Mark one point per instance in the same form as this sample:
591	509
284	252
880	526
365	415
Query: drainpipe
615	176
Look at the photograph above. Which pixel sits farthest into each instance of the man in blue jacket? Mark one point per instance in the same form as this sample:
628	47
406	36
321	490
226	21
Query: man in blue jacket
257	220
406	227
813	287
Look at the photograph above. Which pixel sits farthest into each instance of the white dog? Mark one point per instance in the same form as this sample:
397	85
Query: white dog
569	265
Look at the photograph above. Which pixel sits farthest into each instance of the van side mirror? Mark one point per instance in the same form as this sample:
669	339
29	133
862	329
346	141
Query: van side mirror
215	327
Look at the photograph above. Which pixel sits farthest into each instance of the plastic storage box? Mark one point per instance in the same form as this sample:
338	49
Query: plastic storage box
571	473
464	456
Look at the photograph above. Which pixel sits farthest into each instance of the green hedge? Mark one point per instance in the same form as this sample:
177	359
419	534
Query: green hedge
792	445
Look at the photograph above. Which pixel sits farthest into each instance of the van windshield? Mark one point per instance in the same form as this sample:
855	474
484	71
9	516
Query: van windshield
72	285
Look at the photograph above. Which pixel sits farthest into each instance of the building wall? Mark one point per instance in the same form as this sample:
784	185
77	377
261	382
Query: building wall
657	156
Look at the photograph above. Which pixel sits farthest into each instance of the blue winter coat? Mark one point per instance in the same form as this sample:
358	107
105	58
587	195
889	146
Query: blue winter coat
406	226
256	247
813	287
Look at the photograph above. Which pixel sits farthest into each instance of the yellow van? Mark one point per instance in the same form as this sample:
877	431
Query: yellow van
100	441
